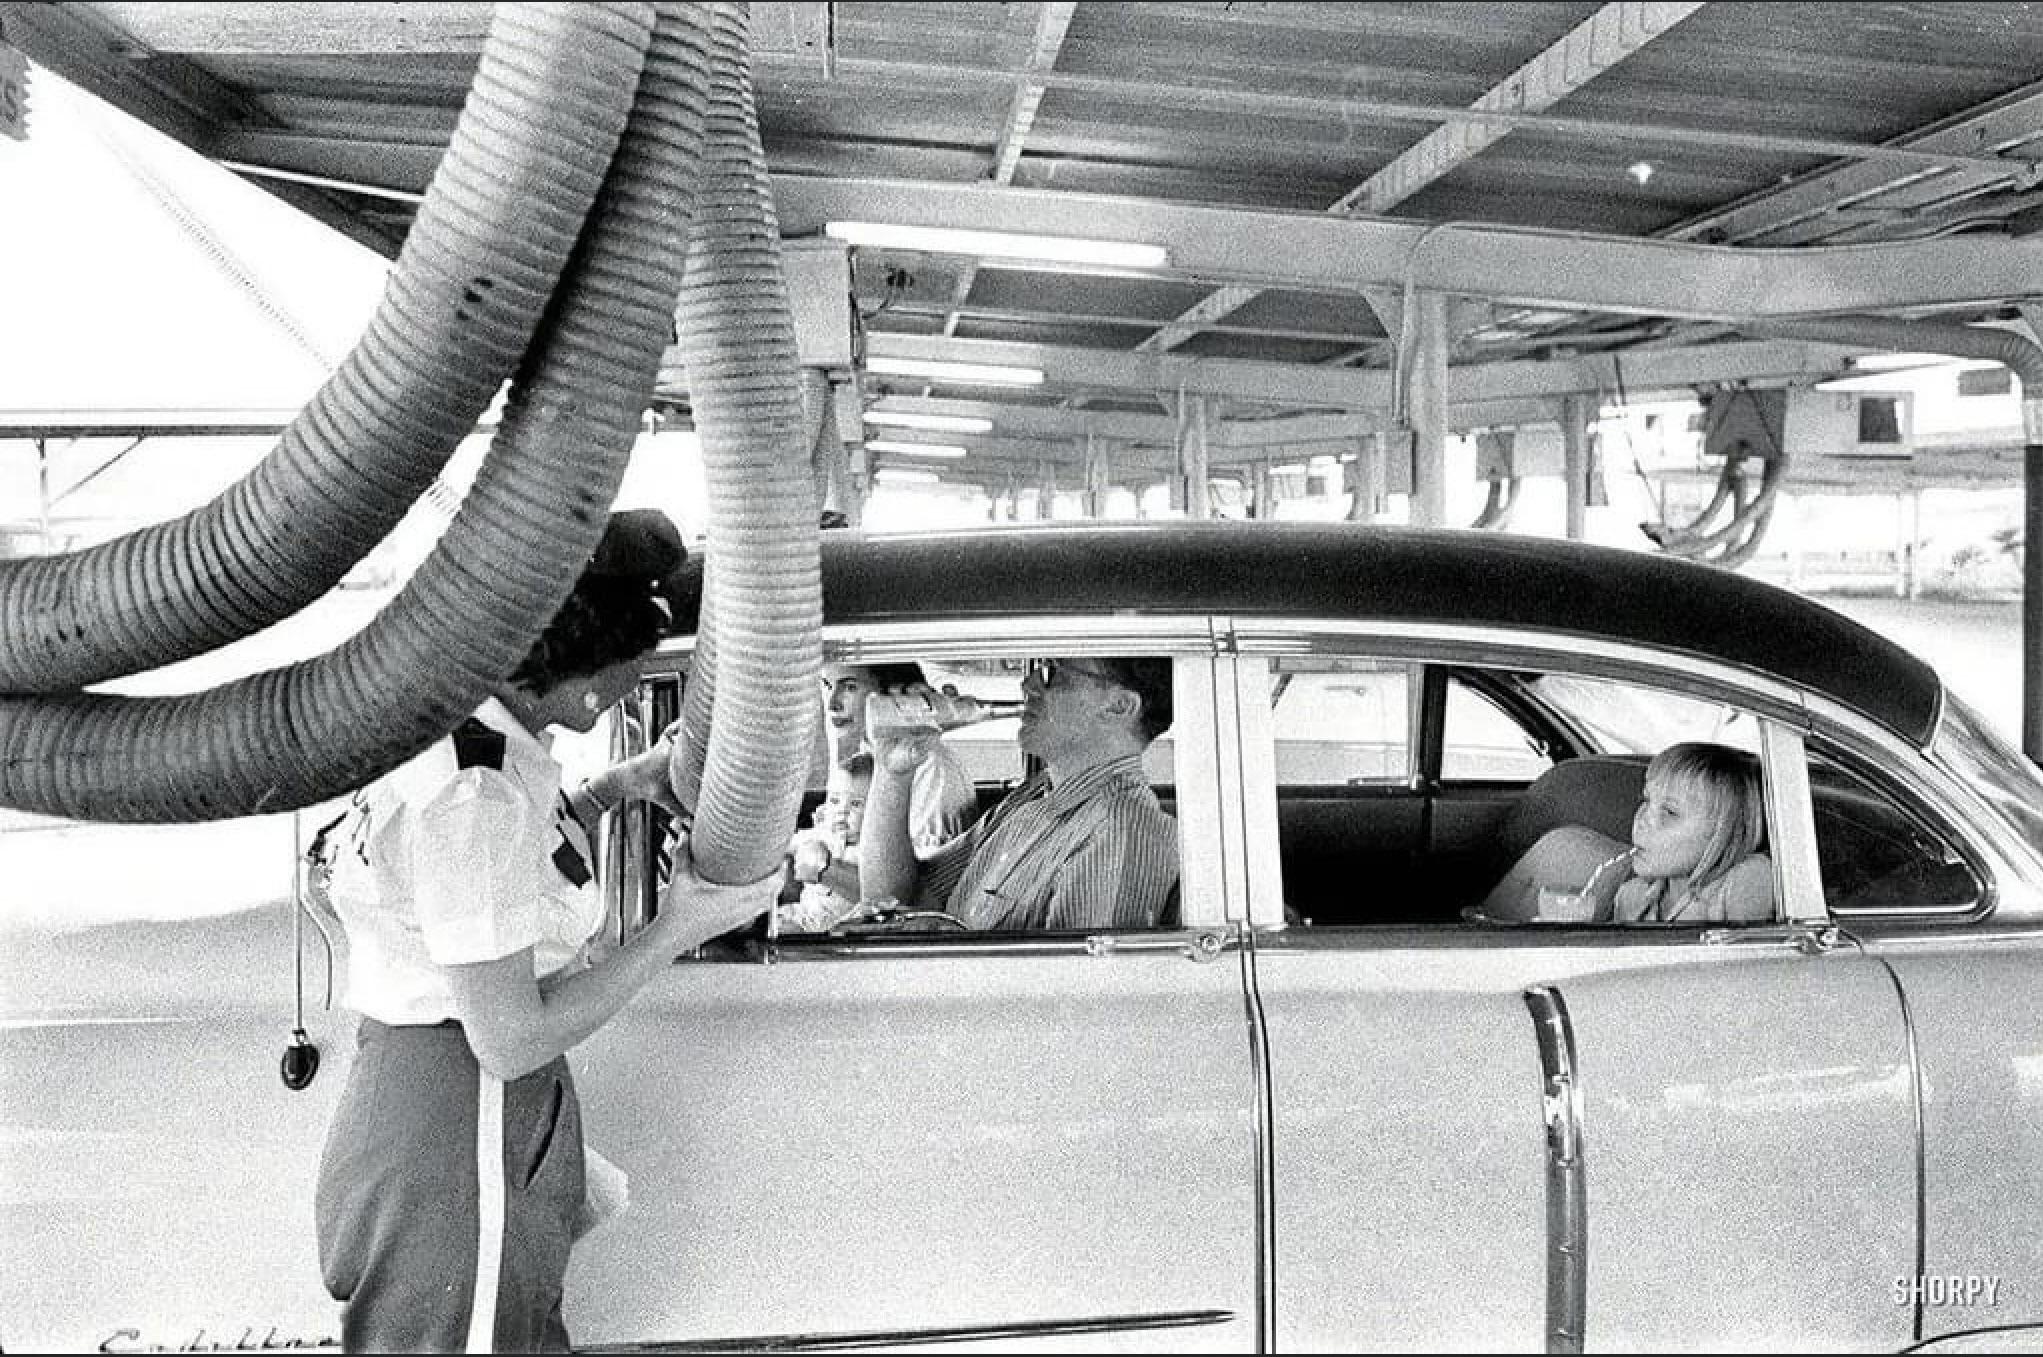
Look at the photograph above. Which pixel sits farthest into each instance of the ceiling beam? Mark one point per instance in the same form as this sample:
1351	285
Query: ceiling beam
1592	47
1283	384
1812	205
1052	22
1521	265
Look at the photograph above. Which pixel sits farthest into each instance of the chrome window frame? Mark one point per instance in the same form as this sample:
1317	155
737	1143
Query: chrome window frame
1786	714
1211	846
2011	881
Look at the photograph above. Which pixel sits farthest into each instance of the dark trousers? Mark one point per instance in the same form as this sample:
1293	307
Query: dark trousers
413	1240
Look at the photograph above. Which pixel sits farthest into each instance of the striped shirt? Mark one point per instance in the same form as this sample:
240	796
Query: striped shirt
1094	852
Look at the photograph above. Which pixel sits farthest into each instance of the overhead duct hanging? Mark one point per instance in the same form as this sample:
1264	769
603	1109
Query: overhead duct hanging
547	90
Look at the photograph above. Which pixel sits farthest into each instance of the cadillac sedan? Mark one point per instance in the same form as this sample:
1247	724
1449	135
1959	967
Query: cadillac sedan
1324	1104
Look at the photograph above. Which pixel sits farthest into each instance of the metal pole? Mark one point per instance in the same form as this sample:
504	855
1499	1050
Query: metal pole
1198	495
1575	412
42	493
1426	404
2032	600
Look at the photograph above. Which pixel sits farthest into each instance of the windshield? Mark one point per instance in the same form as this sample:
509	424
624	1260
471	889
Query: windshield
1996	769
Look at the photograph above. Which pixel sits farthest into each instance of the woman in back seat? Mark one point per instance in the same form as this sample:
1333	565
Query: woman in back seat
1696	853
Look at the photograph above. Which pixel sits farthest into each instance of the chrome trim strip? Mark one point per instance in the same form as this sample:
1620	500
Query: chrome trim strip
1957	809
852	1340
1921	1136
1954	1341
1791	824
1264	1126
1567	1200
1195	944
1507	648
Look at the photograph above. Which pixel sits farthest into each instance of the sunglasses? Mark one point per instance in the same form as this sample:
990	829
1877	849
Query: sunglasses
1046	671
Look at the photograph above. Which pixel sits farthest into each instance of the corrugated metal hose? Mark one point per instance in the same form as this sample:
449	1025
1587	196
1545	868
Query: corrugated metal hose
542	129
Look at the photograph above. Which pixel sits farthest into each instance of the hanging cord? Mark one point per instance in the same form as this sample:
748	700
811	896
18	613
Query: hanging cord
300	1063
1653	492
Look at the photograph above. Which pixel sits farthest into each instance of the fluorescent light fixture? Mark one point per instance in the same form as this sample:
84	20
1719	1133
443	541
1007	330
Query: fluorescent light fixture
1876	383
1889	362
984	374
908	419
906	475
914	449
1000	244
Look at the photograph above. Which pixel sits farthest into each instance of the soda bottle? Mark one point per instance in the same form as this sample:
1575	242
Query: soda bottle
898	712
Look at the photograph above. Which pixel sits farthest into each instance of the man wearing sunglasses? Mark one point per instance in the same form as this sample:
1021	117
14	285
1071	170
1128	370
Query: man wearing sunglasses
1081	845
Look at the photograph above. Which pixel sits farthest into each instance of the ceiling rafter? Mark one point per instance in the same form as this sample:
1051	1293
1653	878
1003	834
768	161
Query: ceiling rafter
1255	382
1995	131
1520	265
1053	21
1594	46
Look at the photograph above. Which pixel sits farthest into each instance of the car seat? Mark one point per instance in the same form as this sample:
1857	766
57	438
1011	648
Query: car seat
1601	791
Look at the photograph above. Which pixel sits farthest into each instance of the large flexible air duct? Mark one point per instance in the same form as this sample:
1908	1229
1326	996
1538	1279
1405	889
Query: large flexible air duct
2025	359
297	735
527	156
762	609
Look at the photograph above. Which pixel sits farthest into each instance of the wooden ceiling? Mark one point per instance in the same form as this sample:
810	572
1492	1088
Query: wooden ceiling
1292	157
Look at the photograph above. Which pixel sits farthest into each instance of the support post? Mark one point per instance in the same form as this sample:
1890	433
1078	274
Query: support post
1193	455
42	494
2032	599
1426	408
1098	485
1575	418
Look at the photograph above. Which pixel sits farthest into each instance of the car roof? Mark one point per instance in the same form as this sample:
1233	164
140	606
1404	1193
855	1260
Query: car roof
1361	572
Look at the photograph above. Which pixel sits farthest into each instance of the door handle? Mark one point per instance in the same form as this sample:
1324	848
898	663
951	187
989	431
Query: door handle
1810	937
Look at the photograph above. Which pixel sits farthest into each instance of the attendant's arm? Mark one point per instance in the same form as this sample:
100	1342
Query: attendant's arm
515	1024
643	777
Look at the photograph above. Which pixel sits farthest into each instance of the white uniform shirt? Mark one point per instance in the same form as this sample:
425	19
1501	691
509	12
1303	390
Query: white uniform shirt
466	853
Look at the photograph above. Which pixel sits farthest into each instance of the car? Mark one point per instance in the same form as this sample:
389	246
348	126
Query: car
1322	1108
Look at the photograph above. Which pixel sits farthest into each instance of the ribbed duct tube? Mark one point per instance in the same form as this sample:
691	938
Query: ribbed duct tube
527	156
2023	358
302	734
762	611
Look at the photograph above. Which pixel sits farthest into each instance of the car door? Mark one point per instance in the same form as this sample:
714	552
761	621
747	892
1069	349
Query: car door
1563	1137
1021	1139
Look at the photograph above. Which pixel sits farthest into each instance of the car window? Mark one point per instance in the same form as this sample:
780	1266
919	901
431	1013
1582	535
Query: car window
1339	721
1482	743
1628	718
987	750
1360	845
1058	876
1879	851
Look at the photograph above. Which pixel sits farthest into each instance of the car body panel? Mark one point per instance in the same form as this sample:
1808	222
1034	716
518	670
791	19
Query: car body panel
1421	1164
156	1176
1981	1054
1255	1132
877	1140
1409	1162
1727	1091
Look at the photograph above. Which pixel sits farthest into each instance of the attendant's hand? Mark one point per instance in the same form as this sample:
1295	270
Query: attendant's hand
643	777
695	910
